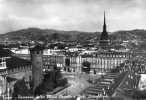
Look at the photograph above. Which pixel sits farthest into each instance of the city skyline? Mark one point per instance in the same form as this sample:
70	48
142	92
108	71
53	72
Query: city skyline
80	15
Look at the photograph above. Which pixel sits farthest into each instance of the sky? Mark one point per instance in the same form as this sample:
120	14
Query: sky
80	15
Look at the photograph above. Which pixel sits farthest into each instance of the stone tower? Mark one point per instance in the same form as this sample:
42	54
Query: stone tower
37	65
104	41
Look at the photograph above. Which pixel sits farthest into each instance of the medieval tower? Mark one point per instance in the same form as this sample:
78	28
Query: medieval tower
37	65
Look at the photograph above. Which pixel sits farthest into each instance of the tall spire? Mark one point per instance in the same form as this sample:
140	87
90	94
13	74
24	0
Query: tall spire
104	17
104	36
104	26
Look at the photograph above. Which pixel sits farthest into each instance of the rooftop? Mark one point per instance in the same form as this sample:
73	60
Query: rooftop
15	62
37	48
5	52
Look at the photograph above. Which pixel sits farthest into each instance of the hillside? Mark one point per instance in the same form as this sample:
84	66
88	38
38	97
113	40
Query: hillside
59	35
47	35
136	38
129	35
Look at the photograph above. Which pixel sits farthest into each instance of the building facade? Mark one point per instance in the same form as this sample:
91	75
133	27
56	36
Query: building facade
99	62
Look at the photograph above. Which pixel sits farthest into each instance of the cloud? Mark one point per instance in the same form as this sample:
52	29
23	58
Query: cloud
84	15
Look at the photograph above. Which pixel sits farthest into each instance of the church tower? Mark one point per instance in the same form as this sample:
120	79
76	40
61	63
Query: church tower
104	41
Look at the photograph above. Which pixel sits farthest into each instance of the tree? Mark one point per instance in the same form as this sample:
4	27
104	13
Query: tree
20	88
86	67
52	80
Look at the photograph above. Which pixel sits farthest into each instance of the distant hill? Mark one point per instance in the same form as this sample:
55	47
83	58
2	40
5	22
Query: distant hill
50	34
47	35
129	35
136	38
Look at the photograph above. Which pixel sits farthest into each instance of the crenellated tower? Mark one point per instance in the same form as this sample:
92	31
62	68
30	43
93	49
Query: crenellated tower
37	65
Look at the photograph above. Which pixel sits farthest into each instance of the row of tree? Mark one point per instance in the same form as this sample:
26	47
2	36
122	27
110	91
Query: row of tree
52	79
